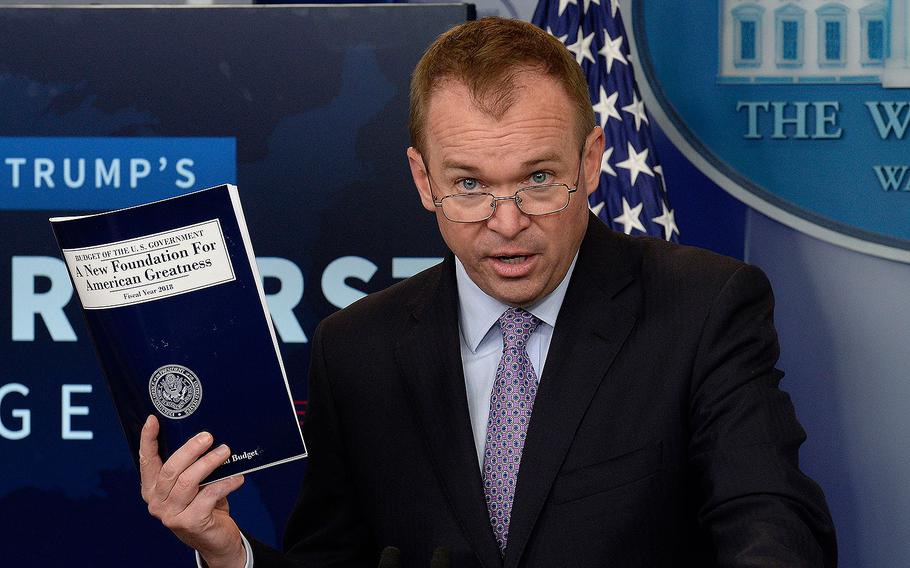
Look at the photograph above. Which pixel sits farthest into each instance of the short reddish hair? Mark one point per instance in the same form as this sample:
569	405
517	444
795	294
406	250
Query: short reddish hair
485	56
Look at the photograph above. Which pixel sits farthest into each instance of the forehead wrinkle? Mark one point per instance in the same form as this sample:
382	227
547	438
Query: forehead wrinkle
456	164
496	129
496	164
464	137
482	124
538	143
500	153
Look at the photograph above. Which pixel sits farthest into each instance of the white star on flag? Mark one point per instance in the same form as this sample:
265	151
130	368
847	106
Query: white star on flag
612	50
630	217
605	166
659	170
668	221
561	38
636	163
606	107
563	4
636	109
619	109
582	47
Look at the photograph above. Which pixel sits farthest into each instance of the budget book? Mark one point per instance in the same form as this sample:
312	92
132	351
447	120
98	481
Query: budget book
174	304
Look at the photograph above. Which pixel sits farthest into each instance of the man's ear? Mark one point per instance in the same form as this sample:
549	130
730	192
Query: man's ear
594	150
421	178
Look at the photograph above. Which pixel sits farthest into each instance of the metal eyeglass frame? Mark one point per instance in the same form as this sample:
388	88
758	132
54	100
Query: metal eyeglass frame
514	197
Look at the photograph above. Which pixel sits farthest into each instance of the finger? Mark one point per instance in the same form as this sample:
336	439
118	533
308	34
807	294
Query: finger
149	460
187	485
178	462
212	494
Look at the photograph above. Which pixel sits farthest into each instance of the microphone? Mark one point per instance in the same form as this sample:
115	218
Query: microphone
442	558
390	558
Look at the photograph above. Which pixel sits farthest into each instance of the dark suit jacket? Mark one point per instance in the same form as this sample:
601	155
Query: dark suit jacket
659	436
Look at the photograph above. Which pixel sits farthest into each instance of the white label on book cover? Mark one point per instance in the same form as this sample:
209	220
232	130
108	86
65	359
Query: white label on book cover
150	268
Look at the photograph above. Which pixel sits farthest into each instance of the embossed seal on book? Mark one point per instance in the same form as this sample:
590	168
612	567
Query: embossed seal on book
175	391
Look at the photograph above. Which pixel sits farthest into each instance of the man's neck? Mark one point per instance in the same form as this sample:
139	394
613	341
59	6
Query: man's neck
477	310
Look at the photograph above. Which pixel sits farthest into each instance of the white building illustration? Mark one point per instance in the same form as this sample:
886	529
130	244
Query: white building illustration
815	41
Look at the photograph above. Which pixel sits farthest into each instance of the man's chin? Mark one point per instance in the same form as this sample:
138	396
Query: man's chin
516	294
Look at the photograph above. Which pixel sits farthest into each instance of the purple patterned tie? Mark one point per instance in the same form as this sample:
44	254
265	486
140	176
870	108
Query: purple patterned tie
510	412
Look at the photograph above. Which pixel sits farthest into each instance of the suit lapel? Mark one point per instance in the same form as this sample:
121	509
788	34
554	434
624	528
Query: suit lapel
592	326
429	359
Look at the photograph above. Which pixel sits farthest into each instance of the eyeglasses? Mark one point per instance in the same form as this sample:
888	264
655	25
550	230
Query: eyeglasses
543	199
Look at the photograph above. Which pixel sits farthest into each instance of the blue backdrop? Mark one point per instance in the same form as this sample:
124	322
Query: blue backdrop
303	107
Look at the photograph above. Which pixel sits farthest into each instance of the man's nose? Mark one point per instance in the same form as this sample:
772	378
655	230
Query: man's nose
508	220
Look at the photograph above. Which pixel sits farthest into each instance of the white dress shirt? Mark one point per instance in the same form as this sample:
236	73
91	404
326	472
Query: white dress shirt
481	343
481	350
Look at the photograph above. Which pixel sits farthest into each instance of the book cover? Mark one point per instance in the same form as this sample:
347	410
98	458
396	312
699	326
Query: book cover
174	304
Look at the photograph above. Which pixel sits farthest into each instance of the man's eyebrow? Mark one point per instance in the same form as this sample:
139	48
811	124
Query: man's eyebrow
448	164
546	158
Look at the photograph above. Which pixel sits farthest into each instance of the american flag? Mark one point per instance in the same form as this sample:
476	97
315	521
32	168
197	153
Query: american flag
632	195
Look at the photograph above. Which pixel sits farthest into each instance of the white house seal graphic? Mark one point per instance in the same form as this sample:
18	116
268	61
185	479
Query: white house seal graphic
175	391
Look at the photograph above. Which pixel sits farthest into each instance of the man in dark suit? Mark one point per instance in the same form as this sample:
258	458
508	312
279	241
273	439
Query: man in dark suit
552	394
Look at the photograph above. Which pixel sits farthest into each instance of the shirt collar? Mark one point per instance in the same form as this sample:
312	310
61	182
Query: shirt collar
478	312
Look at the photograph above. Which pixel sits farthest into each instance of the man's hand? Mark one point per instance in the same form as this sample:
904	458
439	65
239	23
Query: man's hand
198	516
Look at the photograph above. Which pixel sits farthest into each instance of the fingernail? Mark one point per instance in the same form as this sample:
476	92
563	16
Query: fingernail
222	449
204	438
147	421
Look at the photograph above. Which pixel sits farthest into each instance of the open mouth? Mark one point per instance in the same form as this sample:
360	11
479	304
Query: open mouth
512	259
